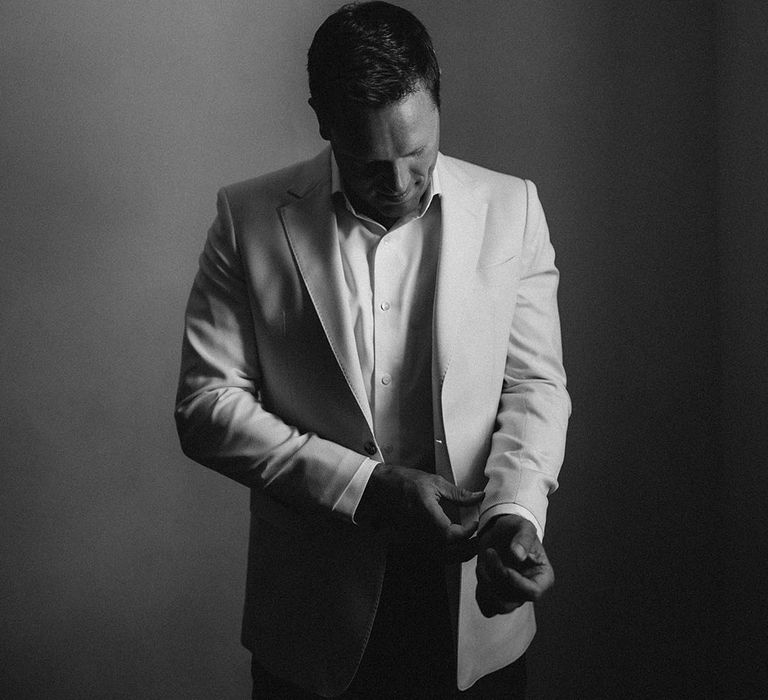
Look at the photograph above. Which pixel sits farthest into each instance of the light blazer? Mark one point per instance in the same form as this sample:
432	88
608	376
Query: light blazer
271	394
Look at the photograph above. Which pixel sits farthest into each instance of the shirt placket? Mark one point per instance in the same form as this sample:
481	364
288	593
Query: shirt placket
388	350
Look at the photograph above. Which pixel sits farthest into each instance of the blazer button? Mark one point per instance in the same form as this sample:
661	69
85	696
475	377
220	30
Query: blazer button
370	448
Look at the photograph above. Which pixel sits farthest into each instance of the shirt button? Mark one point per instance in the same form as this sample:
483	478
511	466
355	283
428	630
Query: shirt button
385	306
386	379
370	448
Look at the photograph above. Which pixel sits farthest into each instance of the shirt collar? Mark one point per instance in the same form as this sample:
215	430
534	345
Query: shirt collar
433	189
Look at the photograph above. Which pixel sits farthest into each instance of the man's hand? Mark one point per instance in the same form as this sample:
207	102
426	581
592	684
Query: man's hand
411	501
512	566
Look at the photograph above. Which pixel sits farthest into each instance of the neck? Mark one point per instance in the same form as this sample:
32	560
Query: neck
362	208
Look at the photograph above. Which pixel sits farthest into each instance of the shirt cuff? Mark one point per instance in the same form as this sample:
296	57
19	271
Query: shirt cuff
509	509
350	497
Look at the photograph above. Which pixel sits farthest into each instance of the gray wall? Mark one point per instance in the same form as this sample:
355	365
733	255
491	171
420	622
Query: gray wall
123	563
742	488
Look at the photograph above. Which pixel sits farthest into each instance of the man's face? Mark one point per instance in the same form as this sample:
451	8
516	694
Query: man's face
386	155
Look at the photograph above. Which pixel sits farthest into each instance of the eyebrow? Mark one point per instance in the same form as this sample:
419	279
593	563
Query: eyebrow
414	152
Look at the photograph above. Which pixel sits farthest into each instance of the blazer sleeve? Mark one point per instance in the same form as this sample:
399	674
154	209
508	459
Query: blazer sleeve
528	445
219	416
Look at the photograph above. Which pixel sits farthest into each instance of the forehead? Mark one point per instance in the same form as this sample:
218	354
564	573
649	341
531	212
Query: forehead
392	131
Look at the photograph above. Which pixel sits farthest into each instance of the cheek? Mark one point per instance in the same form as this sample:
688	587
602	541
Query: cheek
423	169
421	175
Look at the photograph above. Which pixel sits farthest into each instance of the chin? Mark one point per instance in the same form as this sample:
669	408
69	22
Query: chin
398	209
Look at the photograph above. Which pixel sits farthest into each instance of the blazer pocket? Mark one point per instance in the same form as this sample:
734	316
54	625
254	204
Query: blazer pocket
498	273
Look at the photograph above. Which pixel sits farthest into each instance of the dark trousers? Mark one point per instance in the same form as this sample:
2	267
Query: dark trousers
410	653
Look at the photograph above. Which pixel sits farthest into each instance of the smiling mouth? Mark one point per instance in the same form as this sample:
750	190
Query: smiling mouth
394	198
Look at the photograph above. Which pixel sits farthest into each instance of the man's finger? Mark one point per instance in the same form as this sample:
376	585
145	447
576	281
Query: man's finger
532	588
463	497
492	573
453	532
457	533
484	587
496	573
523	542
512	585
488	599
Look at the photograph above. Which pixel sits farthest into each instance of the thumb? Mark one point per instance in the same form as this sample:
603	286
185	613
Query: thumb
523	541
463	497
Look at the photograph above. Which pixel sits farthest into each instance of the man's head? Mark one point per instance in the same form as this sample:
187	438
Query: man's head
368	55
375	88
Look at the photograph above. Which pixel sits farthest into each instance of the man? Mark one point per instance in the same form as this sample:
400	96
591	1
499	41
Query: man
372	346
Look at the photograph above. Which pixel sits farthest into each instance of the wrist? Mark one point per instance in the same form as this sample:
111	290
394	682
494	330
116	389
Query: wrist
497	519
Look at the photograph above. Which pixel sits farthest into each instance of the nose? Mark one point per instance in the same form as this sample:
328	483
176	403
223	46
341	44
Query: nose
397	178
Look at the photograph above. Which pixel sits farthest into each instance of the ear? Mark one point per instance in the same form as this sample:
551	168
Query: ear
322	120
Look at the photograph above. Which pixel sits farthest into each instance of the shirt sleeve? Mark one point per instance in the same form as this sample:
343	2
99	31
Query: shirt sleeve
510	509
350	498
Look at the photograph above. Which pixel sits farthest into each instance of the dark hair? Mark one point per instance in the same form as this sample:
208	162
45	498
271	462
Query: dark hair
369	55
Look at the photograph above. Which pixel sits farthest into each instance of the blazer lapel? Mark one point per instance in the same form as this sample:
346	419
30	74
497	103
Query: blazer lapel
463	217
310	226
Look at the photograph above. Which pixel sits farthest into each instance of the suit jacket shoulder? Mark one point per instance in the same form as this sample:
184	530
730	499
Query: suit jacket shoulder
491	184
279	187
